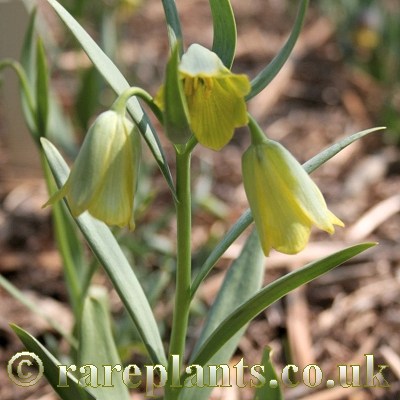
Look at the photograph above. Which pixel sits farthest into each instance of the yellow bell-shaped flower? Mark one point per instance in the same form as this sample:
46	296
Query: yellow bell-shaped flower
283	199
103	178
214	95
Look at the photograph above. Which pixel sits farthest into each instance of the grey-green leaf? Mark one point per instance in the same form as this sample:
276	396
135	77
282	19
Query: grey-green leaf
69	390
97	346
114	262
224	24
28	63
42	89
119	84
312	164
243	279
263	79
173	24
268	295
176	114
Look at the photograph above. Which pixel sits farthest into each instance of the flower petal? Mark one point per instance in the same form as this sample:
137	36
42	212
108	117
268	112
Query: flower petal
280	222
216	108
307	193
91	163
113	200
198	60
284	200
214	95
103	178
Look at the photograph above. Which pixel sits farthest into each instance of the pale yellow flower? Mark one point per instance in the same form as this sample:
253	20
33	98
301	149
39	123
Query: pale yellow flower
104	176
215	97
283	199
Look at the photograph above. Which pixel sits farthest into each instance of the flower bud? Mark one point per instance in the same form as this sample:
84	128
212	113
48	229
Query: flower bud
283	199
104	176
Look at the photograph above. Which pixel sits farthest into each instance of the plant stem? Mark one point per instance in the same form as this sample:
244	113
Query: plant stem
119	104
183	272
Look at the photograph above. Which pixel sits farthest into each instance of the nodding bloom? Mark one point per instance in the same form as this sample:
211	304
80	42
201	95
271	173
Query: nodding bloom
103	178
283	199
214	95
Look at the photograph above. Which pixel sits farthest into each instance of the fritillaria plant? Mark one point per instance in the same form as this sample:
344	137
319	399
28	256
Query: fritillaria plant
200	103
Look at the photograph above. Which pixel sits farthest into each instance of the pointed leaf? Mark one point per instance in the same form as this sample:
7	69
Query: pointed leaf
176	114
263	79
114	262
266	391
224	42
29	51
268	295
42	89
243	279
97	346
173	24
119	84
312	164
28	63
50	369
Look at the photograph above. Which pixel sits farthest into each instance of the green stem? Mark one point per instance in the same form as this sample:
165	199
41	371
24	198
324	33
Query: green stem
183	272
119	104
257	134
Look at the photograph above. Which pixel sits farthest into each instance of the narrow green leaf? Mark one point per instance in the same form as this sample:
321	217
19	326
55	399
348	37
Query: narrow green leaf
97	346
173	24
42	90
59	128
312	164
268	295
265	391
176	114
28	63
243	279
68	244
29	51
119	84
69	390
246	218
224	42
114	262
263	79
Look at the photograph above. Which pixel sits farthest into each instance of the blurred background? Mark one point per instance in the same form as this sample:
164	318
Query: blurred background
343	77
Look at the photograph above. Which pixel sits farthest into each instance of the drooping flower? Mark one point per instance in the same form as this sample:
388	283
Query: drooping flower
214	97
284	200
104	176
